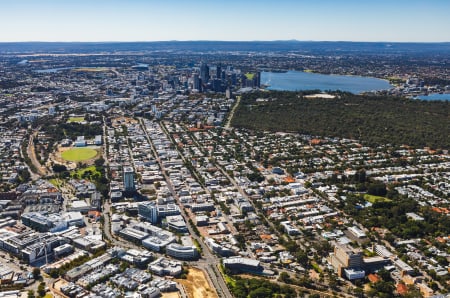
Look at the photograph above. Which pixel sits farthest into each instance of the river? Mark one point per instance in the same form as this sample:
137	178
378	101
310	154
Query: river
298	80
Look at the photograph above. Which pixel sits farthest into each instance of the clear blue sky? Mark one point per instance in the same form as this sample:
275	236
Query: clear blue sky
157	20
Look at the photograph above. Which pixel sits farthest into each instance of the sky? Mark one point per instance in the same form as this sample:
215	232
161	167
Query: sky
232	20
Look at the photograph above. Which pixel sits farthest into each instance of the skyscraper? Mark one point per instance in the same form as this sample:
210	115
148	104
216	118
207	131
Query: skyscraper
196	83
219	71
128	179
257	79
204	73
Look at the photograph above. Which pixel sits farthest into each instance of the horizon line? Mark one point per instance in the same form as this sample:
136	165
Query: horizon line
212	40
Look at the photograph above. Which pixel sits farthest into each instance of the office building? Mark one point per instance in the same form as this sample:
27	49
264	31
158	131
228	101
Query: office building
182	252
128	179
163	266
219	71
243	265
204	73
148	211
176	223
347	261
196	82
153	212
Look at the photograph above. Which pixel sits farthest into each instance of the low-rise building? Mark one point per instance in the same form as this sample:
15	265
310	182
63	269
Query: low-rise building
176	223
289	228
182	252
244	265
163	266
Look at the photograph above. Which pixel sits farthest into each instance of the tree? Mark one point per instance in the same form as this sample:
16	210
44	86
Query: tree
57	168
384	274
99	162
333	281
377	189
30	294
36	273
382	289
358	292
41	289
413	292
24	175
284	277
260	293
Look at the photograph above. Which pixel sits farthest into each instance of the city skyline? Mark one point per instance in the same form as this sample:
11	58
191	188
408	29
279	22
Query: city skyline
138	20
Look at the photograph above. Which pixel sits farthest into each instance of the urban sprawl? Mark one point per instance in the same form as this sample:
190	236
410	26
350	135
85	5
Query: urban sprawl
122	176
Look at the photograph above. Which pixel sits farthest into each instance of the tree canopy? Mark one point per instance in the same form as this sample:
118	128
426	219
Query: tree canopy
372	119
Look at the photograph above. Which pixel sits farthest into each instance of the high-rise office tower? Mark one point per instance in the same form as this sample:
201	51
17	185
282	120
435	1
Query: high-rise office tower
196	83
128	179
219	71
204	73
257	79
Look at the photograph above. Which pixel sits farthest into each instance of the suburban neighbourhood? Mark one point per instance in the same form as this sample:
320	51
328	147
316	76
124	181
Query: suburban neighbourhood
123	176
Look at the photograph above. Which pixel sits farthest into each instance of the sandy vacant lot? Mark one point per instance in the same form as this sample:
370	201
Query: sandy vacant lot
197	285
170	295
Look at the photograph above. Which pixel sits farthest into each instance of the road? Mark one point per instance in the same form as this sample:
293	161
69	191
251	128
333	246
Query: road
212	272
32	155
116	241
33	175
244	194
230	116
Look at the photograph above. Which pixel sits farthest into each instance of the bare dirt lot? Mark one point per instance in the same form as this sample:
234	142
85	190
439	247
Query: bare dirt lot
197	285
170	295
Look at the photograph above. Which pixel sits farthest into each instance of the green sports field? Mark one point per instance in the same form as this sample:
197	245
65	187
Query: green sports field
375	199
79	154
75	119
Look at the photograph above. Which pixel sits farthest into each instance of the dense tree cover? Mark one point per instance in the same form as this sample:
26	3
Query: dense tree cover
300	255
392	216
41	289
9	84
382	289
371	119
57	168
41	89
72	130
259	288
97	176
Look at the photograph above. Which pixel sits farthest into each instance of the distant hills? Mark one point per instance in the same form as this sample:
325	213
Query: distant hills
307	47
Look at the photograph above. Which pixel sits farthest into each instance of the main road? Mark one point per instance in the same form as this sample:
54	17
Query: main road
32	155
209	261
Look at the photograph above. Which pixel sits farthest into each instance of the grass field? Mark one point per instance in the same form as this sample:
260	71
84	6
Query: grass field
316	267
228	279
249	76
75	119
80	172
55	182
79	154
375	199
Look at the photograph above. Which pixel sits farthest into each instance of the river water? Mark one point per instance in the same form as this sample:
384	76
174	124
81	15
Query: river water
298	80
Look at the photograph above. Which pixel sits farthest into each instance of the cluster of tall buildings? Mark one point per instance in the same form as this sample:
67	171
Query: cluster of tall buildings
223	79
